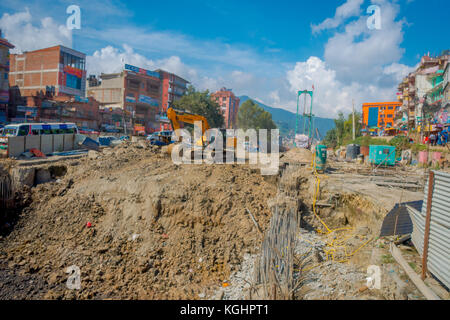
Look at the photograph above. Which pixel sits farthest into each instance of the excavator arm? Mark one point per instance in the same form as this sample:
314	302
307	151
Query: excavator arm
175	118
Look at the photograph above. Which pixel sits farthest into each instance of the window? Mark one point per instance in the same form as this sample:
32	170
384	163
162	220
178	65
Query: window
23	130
133	84
389	115
390	108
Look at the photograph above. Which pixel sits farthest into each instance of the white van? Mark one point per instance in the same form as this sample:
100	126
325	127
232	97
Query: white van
27	129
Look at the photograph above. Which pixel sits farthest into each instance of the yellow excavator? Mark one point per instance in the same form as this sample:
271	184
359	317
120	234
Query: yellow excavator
176	117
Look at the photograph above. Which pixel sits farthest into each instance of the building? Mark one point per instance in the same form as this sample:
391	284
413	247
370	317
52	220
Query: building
379	114
229	105
84	112
134	91
446	98
173	87
58	70
4	78
406	96
422	92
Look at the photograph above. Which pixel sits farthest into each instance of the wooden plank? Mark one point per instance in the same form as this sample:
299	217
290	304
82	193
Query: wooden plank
427	292
427	225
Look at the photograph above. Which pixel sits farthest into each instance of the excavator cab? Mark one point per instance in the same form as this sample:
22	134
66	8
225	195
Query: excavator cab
177	116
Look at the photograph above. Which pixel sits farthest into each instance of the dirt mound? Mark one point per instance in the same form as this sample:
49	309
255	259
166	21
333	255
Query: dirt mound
297	155
157	230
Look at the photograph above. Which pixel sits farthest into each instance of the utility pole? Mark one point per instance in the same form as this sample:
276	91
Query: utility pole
353	122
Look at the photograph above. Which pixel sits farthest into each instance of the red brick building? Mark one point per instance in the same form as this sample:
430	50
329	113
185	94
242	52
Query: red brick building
4	74
229	105
59	69
173	87
49	85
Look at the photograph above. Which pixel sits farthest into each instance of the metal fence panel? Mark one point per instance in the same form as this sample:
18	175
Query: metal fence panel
439	238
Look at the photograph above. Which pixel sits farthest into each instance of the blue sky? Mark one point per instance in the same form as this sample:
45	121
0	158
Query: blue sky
264	49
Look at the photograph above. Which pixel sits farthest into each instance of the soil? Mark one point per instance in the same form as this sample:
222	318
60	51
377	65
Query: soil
157	230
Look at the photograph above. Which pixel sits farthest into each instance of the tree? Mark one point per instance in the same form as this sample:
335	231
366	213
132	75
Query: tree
200	102
342	134
252	116
331	138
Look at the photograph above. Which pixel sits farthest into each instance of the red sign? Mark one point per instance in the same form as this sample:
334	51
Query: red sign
74	71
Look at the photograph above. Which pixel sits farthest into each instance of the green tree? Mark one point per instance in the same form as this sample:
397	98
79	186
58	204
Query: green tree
200	102
331	138
252	116
342	134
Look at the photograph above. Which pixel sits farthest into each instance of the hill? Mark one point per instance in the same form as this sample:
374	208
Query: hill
285	120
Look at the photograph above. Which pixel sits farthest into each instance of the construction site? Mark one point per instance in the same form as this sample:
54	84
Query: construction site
206	153
134	225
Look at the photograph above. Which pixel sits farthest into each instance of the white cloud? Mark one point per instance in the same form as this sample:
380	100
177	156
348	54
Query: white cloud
358	63
360	54
349	9
20	31
111	59
330	94
398	71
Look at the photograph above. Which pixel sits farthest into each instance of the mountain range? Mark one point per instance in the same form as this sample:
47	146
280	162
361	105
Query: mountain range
285	120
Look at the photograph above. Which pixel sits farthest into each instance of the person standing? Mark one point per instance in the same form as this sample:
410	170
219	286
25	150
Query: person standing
432	139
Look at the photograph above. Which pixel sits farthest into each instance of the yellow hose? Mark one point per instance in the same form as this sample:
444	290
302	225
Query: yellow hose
334	244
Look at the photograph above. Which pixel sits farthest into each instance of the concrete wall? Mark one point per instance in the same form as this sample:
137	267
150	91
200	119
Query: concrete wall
45	143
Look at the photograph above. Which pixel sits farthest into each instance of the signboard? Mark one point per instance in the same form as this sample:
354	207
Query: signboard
142	71
70	80
73	71
148	100
29	111
81	99
130	98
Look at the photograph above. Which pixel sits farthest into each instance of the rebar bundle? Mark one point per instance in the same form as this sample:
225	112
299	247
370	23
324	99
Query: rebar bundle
6	191
275	268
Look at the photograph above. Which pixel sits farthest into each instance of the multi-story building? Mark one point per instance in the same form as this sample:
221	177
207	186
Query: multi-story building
135	91
4	75
446	98
407	96
173	87
423	90
229	105
379	114
57	70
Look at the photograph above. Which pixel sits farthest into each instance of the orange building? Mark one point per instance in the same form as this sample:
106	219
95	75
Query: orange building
379	114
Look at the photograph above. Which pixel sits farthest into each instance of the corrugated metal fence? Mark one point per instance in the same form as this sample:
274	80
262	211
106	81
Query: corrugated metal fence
437	255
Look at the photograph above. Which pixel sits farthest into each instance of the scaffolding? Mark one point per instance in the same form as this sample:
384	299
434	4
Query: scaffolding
308	124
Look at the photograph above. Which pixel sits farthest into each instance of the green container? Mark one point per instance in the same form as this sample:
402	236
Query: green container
321	157
382	155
